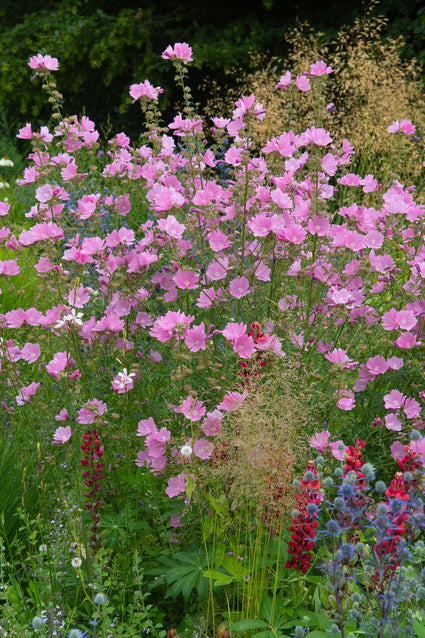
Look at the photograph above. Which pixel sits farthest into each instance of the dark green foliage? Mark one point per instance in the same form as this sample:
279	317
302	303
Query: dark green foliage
103	47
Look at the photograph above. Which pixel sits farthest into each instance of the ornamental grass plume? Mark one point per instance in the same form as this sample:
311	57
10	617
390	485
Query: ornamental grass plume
259	446
370	86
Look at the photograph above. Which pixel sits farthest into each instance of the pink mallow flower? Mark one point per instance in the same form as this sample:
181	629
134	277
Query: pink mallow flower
171	325
90	411
59	363
62	435
145	89
211	425
320	440
123	382
203	449
347	401
176	485
156	443
195	338
43	63
394	400
239	287
232	401
180	51
24	395
191	409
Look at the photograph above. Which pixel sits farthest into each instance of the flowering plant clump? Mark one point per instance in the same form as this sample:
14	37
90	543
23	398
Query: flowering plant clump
93	475
194	283
365	544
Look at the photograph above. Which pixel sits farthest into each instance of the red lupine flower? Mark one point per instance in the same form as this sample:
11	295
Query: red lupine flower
303	527
93	475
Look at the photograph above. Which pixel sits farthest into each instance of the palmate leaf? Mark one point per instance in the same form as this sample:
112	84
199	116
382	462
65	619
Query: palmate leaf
188	574
249	623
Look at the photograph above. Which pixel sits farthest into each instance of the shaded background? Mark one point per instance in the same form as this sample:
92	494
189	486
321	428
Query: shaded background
104	46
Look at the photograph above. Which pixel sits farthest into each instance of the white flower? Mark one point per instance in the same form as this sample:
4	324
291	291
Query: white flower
73	318
186	450
42	549
5	161
76	562
125	378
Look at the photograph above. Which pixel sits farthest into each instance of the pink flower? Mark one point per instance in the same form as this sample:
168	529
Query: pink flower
320	68
319	440
62	435
123	382
9	267
186	279
63	415
176	485
211	425
203	449
329	164
406	319
395	363
407	341
172	325
234	330
30	352
260	225
233	156
41	232
25	133
171	226
191	409
394	400
232	401
180	51
392	422
318	136
377	365
303	83
24	395
284	81
145	89
347	401
337	451
381	263
145	427
4	209
338	355
389	320
244	346
195	338
397	450
407	127
156	442
175	521
239	287
90	411
218	241
60	361
412	408
43	63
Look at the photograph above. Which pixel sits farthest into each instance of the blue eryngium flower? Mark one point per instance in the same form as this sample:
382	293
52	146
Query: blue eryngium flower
347	490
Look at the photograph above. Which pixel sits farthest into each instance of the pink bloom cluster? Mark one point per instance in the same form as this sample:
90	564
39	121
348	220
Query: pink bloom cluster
181	51
43	63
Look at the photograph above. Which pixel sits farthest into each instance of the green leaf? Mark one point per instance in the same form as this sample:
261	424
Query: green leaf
190	484
219	578
249	623
419	629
